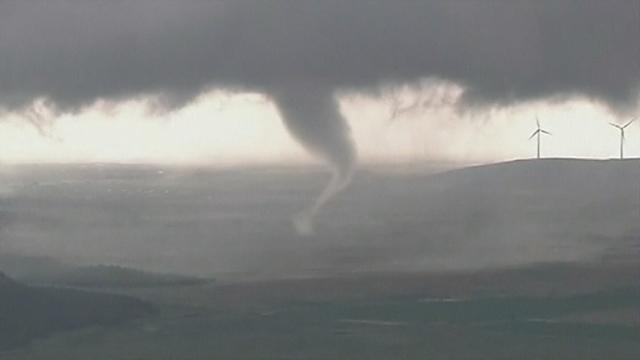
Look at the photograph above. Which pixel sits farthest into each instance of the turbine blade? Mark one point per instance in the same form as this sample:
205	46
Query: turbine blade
545	132
627	124
538	123
534	134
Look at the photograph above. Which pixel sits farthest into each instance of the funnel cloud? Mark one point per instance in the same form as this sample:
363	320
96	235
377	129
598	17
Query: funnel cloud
313	117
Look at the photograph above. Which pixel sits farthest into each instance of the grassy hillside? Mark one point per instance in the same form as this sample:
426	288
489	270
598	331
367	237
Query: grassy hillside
40	270
548	311
27	312
111	276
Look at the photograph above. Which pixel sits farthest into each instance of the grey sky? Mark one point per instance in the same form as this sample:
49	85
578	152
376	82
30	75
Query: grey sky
74	52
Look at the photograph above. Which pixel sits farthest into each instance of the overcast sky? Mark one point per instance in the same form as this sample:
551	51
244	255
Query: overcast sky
211	81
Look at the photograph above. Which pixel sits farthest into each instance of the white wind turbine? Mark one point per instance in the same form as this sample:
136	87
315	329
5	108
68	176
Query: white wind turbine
538	133
622	137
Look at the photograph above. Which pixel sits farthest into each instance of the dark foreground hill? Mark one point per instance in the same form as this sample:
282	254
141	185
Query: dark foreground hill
111	276
41	270
27	312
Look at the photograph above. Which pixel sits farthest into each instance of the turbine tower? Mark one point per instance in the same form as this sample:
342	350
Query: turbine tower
622	138
538	133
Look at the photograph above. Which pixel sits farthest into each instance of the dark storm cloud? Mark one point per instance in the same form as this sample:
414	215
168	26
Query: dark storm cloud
74	52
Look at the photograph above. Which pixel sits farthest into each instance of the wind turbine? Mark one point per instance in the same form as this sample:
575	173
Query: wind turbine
538	133
622	128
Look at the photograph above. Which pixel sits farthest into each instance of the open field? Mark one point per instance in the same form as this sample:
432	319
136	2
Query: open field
237	222
539	312
28	313
539	259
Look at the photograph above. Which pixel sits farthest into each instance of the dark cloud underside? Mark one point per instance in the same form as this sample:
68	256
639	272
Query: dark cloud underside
74	52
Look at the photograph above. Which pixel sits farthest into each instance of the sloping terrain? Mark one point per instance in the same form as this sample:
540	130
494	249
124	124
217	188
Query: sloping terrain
40	270
533	259
497	215
27	313
546	311
238	221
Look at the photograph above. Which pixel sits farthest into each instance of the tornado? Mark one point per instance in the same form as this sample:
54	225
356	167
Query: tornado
312	117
